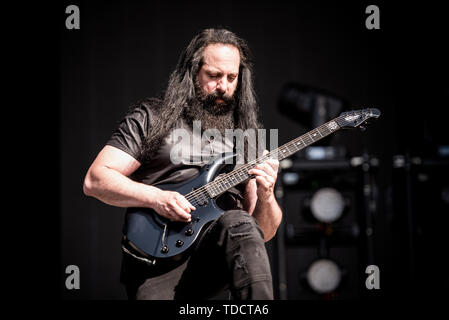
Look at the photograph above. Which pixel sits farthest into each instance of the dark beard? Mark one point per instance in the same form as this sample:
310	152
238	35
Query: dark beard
212	114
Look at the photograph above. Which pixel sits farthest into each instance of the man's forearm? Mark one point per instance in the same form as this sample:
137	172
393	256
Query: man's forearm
269	215
113	188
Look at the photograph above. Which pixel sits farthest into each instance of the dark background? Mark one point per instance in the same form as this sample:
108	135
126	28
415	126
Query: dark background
125	51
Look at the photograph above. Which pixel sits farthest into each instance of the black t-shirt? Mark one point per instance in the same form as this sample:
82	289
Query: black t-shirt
161	169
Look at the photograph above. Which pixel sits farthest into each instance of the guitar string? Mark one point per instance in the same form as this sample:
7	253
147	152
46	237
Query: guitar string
200	191
243	169
191	196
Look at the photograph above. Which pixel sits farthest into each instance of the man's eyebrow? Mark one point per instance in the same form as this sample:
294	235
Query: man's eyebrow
215	70
220	73
211	69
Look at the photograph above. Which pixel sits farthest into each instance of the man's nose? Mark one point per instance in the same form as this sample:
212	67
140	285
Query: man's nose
222	85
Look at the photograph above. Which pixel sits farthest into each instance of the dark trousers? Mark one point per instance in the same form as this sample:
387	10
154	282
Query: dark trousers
231	254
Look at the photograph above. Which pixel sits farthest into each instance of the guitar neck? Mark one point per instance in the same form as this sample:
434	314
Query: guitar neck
239	175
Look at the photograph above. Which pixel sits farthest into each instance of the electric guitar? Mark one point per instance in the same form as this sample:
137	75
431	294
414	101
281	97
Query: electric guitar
151	237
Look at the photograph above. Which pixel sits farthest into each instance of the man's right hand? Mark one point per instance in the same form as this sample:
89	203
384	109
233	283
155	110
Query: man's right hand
173	206
108	180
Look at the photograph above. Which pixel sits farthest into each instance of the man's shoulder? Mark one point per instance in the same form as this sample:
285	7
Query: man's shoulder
144	109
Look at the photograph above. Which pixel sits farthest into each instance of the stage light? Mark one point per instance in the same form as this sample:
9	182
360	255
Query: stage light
290	178
327	205
324	276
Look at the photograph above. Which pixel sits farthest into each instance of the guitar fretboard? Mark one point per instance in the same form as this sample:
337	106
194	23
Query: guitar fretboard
239	175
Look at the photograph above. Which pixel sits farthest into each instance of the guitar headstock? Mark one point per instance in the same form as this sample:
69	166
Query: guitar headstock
357	118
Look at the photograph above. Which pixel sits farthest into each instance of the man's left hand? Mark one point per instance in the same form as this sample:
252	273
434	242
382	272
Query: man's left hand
265	175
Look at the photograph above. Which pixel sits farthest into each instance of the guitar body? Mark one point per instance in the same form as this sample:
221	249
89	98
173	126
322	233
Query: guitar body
156	237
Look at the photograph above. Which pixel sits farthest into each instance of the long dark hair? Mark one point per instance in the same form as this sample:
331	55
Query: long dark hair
181	88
